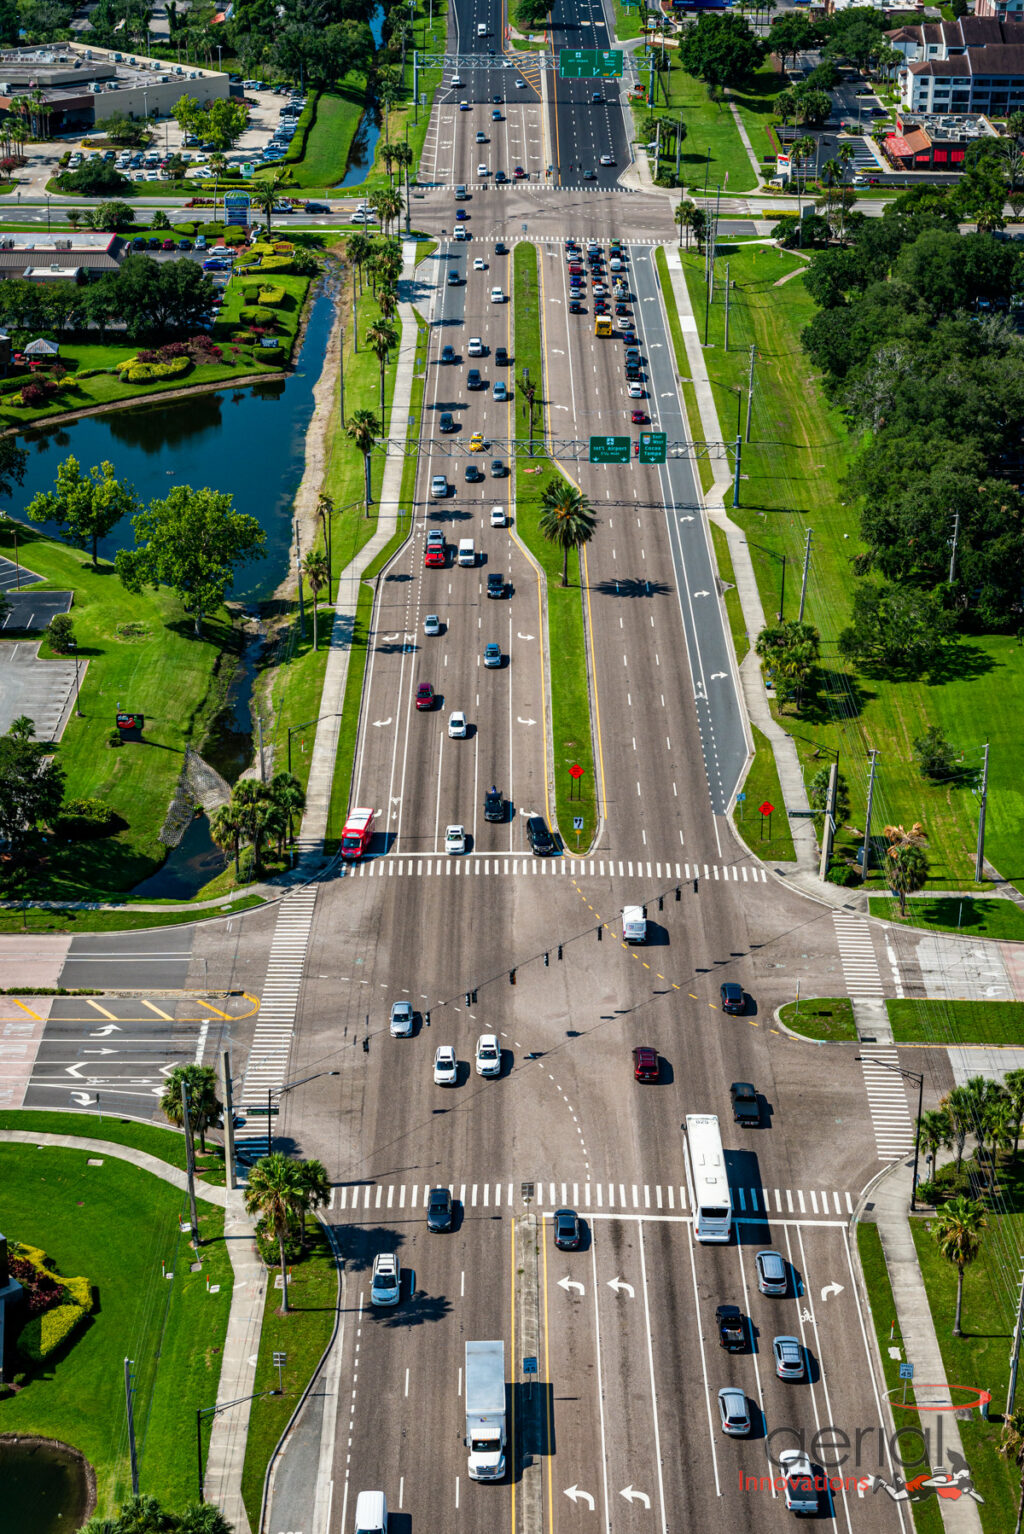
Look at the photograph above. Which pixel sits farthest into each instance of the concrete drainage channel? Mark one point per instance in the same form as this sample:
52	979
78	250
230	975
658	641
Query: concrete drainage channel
529	1391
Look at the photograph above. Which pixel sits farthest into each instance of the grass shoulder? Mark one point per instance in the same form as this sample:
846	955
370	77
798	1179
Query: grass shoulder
87	1218
302	1335
927	1518
733	607
826	1018
767	836
122	919
919	1021
998	920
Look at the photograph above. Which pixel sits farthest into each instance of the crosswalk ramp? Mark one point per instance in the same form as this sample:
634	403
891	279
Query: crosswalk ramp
487	866
665	1200
857	956
887	1101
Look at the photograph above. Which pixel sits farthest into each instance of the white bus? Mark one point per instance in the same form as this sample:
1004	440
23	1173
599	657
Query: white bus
706	1176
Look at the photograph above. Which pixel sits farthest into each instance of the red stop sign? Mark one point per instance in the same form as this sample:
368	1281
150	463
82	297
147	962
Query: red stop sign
766	808
575	771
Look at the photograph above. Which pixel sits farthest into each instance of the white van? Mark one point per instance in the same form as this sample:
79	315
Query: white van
467	551
481	29
371	1513
634	924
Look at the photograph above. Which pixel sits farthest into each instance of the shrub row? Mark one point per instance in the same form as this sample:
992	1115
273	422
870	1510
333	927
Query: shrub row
41	1334
134	371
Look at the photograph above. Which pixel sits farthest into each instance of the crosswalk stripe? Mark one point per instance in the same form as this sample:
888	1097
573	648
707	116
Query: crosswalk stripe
748	1203
479	864
887	1104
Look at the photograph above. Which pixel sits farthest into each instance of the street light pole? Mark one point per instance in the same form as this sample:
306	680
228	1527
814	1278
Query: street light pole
917	1076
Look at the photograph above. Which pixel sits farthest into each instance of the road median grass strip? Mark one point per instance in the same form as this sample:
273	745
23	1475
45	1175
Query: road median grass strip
919	1021
571	724
926	1515
123	919
120	1227
302	1335
793	467
827	1018
166	1144
762	786
733	608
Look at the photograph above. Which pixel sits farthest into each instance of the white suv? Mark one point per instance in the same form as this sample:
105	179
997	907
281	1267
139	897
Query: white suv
488	1055
386	1285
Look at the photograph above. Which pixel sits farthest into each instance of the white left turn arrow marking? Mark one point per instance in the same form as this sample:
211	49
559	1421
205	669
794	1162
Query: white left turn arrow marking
575	1493
570	1283
379	724
618	1284
636	1496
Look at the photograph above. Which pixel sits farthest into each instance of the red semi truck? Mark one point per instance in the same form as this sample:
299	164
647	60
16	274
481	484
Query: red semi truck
355	838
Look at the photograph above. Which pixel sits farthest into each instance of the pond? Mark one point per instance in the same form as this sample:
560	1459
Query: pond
364	143
247	441
45	1487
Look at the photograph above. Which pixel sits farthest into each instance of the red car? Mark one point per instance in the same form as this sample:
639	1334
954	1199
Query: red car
639	418
519	173
168	245
645	1064
575	269
435	557
424	696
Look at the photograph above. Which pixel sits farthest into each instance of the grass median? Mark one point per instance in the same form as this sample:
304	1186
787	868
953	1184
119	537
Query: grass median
762	786
119	1227
119	919
798	456
997	920
571	725
828	1019
302	1335
917	1021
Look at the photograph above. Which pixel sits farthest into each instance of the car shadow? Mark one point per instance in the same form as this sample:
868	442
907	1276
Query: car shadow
666	1073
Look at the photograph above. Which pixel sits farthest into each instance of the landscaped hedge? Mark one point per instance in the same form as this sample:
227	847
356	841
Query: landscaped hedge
83	819
279	264
256	316
44	1332
271	297
134	371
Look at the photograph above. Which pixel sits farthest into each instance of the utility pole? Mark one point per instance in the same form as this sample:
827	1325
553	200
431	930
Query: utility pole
750	387
803	583
952	553
1015	1350
679	147
341	379
129	1391
259	732
190	1165
229	1118
979	859
866	853
829	828
727	306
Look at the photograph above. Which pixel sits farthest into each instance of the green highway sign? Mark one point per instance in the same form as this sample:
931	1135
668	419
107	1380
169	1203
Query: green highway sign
609	449
653	447
590	63
271	1112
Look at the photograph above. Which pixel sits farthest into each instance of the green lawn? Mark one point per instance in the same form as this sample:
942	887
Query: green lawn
762	786
570	724
982	1356
712	149
154	1139
702	466
138	647
329	140
821	1017
956	1022
39	919
627	21
798	452
927	1517
756	103
999	920
733	607
302	1335
119	1227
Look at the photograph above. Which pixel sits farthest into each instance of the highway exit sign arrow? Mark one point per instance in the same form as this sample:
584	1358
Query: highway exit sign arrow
590	63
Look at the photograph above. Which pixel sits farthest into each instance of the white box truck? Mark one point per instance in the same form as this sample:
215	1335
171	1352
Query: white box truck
485	1410
634	924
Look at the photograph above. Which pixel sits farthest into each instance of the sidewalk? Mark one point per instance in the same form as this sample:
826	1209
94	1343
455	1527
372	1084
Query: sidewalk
888	1200
229	1430
313	831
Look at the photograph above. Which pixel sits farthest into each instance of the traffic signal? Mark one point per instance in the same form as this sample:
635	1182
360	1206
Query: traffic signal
469	998
547	960
559	952
696	887
679	893
600	934
511	977
661	902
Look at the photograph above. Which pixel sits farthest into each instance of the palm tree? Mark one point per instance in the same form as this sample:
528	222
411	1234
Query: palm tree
253	802
264	195
275	1193
288	794
316	1186
403	157
957	1229
226	832
387	300
1013	1081
358	250
958	1106
364	428
1002	1129
984	1097
907	864
204	1106
315	569
567	519
144	1515
684	217
74	217
203	1518
936	1134
380	338
1011	1446
387	154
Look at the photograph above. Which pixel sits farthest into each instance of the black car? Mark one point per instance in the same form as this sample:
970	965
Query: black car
501	357
567	1230
575	307
590	175
539	837
746	1108
500	249
447	354
447	422
495	583
317	207
732	1331
473	474
494	805
439	1209
500	177
732	998
497	469
473	379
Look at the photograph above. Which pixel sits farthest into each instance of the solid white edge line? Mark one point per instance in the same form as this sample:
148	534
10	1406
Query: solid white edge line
654	1393
600	1389
704	1367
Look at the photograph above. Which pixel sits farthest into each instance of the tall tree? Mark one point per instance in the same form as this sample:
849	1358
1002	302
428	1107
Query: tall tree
380	338
957	1229
315	568
1011	1447
31	784
287	793
364	428
567	519
203	1518
226	832
1013	1081
316	1188
720	50
12	465
276	1193
936	1133
85	506
906	863
204	1106
191	541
